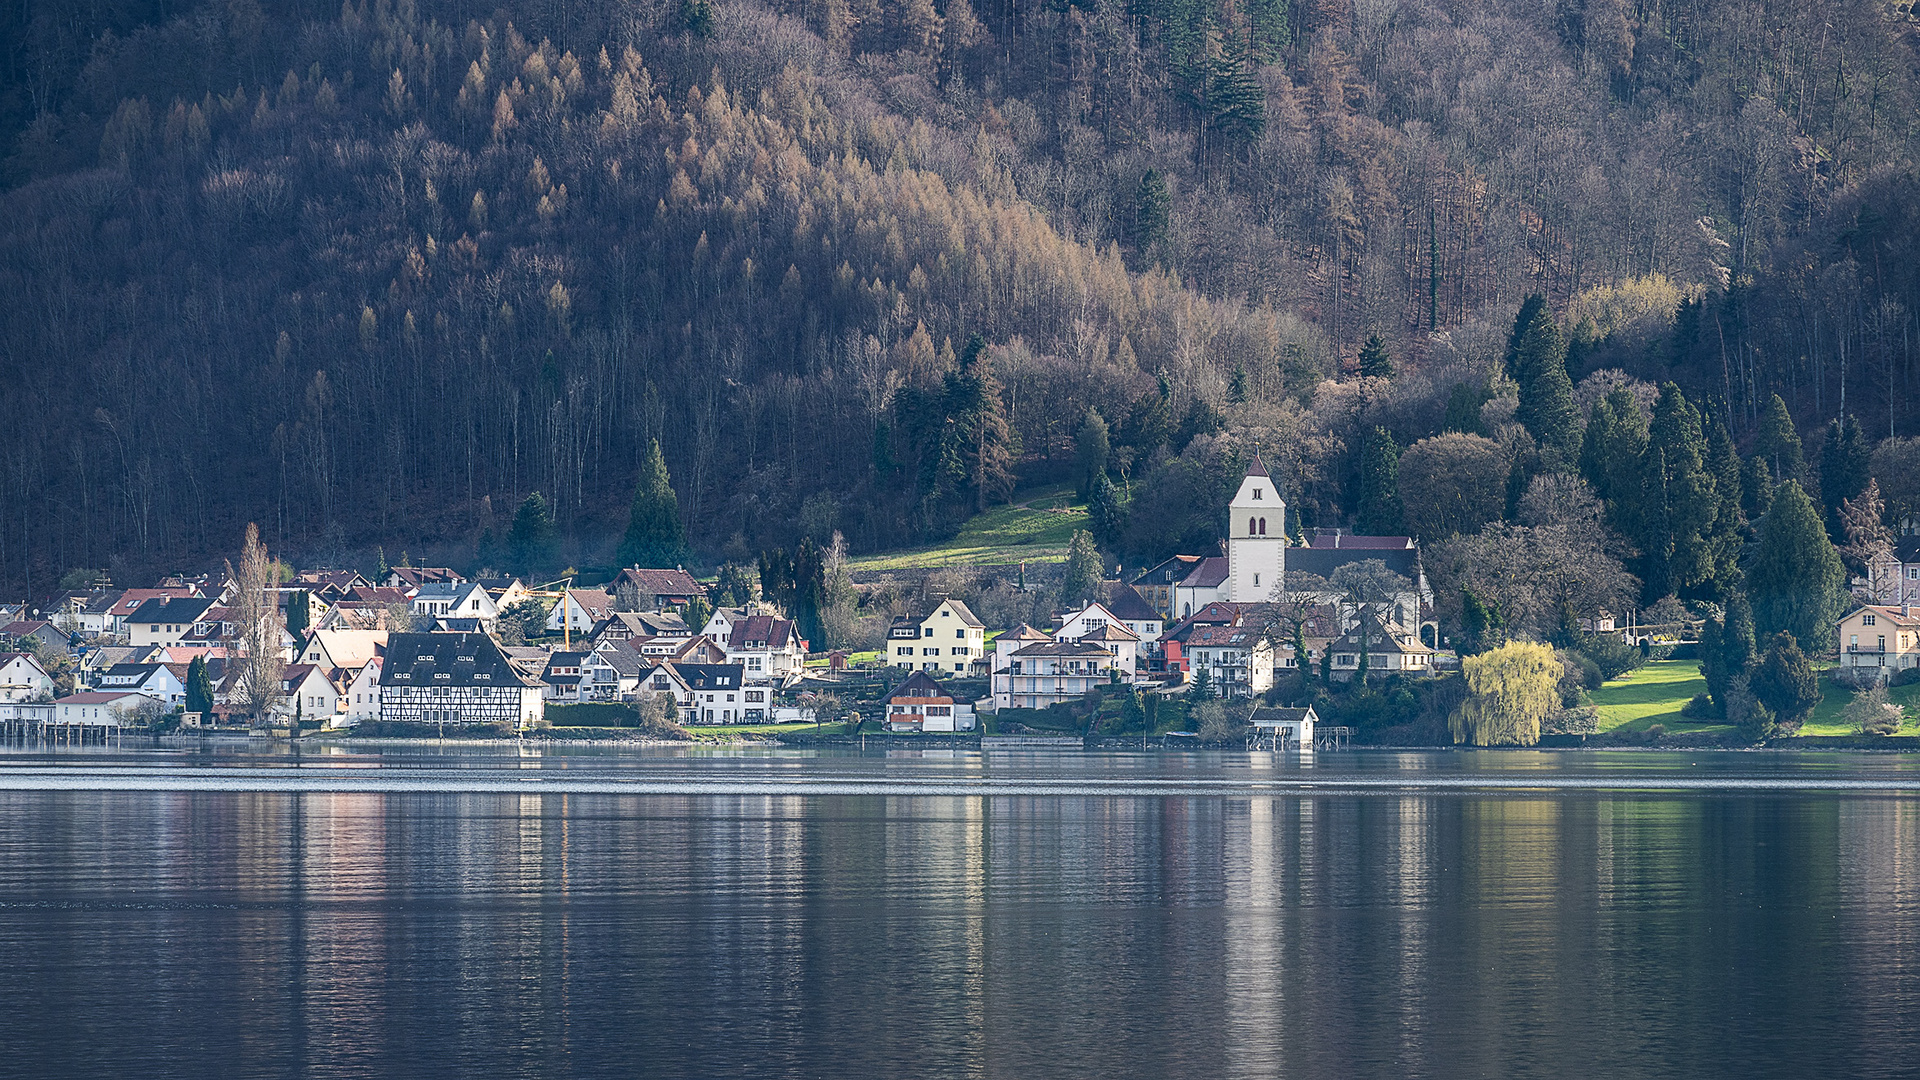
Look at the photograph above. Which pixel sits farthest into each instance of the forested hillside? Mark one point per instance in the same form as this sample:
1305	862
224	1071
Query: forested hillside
371	274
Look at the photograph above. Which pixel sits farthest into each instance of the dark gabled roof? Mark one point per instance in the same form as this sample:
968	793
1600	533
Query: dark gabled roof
711	676
760	632
1170	572
622	661
1382	637
1110	632
918	685
1127	604
1258	468
1907	548
1218	637
1208	574
465	660
1023	632
674	582
464	624
1322	562
183	610
1063	648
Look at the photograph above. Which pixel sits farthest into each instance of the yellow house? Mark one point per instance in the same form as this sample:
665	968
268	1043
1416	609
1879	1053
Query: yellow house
951	638
1886	638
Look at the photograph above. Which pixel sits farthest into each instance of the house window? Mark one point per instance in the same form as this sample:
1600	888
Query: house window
1251	527
961	634
1256	581
1256	492
1263	526
1868	620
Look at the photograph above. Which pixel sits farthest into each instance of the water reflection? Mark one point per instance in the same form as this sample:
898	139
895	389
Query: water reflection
1009	935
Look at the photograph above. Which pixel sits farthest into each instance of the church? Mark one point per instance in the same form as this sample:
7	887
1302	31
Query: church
1258	557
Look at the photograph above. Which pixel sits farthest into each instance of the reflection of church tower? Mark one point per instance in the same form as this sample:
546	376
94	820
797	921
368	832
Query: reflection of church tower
1256	538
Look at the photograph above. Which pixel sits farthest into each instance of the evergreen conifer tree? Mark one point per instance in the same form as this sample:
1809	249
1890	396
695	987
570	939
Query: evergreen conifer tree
1084	569
1538	357
1785	683
1091	447
1795	578
1680	507
1778	444
199	687
533	543
654	534
1375	362
1844	469
1380	513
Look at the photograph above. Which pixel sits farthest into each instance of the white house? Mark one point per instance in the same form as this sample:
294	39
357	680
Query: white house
22	679
166	621
1237	658
767	648
166	683
362	696
463	600
922	704
1389	648
613	672
1051	672
579	611
564	680
720	693
1095	624
309	694
106	708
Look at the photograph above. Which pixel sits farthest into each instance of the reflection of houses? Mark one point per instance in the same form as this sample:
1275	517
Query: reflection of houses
922	704
1877	640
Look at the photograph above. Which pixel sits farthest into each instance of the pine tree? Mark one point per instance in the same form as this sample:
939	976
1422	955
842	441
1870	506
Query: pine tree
1795	578
1844	469
1785	683
1380	512
1152	208
533	543
1091	449
1463	410
1538	357
1084	569
1106	512
654	534
1756	487
199	687
1375	363
1680	506
1726	649
299	613
1778	443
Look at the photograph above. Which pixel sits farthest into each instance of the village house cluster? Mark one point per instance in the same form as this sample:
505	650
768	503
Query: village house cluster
423	644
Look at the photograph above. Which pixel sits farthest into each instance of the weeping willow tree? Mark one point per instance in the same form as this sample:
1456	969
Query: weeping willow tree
1509	689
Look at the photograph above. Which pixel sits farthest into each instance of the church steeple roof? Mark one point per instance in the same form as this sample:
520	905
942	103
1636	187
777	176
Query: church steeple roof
1258	468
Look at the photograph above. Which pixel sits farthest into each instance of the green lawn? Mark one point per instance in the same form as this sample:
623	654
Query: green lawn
1035	528
1656	693
1652	695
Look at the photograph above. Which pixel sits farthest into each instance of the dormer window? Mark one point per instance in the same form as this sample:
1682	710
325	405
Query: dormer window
1257	492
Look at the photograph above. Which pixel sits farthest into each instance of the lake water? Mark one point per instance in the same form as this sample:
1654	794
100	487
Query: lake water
677	913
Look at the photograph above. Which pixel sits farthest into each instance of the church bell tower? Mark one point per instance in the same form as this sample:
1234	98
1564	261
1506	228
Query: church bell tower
1256	539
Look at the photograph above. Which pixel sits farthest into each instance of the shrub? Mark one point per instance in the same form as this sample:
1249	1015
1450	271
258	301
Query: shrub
1904	677
1610	653
1700	708
1871	713
1655	731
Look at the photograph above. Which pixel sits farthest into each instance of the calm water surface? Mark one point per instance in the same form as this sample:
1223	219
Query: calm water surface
675	913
